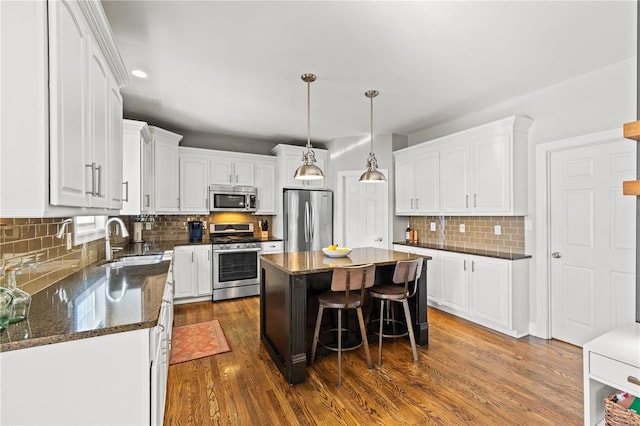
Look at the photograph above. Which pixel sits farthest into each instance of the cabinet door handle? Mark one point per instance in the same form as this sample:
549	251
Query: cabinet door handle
126	191
236	178
466	201
633	380
412	204
92	166
191	257
473	266
99	169
417	203
465	265
178	201
229	178
147	197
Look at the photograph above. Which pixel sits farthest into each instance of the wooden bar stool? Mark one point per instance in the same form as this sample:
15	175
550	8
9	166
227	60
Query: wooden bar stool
406	271
348	287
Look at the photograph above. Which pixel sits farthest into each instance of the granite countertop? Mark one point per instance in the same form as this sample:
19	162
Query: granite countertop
92	302
477	252
311	262
97	301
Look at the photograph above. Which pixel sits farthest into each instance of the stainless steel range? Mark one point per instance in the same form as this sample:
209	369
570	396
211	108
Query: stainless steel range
236	265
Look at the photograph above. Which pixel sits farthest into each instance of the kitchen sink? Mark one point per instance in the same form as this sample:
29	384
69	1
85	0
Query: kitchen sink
147	259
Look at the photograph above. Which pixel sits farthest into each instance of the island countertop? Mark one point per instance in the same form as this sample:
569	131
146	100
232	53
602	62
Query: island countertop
299	263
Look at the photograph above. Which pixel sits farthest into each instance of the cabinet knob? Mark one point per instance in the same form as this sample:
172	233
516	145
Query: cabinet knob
633	380
556	255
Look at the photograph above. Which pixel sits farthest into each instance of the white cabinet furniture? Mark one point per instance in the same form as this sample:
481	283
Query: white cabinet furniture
266	186
489	291
480	171
194	174
417	177
611	362
114	379
45	82
269	247
147	195
290	158
86	107
166	170
136	139
192	272
231	170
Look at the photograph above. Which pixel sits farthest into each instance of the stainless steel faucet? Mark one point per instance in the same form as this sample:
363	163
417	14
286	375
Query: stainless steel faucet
107	243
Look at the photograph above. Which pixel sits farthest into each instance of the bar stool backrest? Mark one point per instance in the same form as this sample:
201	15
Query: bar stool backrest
348	278
407	271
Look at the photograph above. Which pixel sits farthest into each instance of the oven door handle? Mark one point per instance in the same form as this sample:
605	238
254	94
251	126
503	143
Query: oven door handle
238	250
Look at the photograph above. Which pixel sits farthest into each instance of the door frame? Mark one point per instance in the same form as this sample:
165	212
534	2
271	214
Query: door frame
338	231
542	325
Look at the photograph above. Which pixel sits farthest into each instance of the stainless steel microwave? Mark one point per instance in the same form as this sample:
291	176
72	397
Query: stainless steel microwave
225	198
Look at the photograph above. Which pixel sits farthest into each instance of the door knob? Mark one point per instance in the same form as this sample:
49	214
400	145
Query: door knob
556	255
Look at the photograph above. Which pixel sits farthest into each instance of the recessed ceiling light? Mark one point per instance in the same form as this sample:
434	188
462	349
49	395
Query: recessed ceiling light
139	73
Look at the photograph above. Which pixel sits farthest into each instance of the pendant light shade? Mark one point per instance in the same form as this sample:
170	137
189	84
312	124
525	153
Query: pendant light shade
308	170
372	174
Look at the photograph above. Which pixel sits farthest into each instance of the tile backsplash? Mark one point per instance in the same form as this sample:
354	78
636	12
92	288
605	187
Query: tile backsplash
479	232
174	227
31	245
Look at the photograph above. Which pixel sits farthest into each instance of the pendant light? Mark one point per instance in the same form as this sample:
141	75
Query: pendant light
308	170
372	174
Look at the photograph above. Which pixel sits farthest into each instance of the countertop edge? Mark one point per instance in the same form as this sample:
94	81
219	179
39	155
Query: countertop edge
462	250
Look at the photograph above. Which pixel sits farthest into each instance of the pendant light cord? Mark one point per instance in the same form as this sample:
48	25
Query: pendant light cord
308	115
371	150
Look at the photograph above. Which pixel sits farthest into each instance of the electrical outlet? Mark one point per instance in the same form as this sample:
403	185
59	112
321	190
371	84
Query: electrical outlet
433	226
68	240
497	230
527	225
147	225
462	228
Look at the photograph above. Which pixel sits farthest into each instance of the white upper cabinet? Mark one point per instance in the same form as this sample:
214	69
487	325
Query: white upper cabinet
266	186
136	158
116	161
417	176
290	158
61	74
166	170
86	108
194	173
231	170
481	171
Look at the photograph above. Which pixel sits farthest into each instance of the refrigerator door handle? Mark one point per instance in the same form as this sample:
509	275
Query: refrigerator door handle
307	219
311	224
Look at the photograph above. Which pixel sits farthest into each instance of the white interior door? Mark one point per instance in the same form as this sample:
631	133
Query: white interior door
592	240
362	213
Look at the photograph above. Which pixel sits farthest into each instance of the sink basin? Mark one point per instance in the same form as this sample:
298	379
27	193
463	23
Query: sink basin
120	262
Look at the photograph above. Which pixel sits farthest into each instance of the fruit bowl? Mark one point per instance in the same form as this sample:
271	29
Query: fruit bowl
337	252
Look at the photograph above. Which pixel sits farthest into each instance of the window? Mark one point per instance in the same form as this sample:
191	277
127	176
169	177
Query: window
88	228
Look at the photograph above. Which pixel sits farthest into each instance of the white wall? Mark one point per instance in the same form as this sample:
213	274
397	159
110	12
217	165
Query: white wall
593	102
351	153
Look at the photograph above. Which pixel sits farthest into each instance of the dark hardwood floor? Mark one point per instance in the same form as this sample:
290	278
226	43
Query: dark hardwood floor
467	375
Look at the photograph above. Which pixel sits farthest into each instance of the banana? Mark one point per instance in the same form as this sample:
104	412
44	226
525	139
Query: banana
332	247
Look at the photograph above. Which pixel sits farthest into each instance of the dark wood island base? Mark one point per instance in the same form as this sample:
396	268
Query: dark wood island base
290	283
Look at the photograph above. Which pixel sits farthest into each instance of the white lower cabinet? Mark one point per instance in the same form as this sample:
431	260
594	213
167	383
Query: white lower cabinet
488	291
114	379
270	247
192	271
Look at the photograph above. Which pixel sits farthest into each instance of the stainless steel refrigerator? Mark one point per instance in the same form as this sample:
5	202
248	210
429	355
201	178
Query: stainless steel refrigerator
308	219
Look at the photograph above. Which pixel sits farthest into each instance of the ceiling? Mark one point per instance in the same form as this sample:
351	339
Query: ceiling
234	68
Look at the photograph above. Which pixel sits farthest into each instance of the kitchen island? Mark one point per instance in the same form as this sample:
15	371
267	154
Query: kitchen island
289	285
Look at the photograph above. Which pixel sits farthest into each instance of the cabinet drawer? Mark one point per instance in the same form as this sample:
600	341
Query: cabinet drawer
614	371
